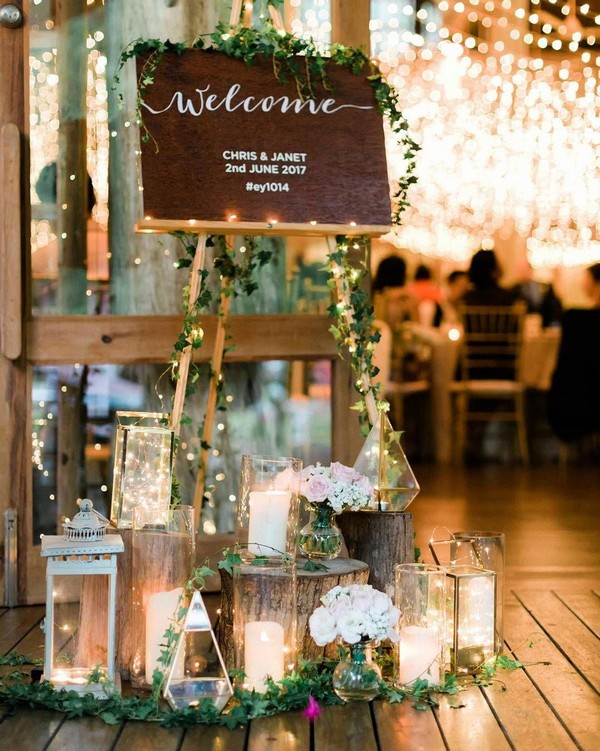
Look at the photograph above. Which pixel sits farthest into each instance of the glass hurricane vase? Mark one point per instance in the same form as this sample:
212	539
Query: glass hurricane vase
321	537
357	677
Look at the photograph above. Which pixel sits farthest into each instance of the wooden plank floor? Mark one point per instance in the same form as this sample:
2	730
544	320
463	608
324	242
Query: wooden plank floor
554	706
552	615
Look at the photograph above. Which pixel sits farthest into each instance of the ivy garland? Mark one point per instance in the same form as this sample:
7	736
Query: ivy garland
292	693
353	329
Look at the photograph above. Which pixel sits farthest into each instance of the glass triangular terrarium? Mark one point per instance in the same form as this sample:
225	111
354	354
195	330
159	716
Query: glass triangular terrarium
384	462
197	669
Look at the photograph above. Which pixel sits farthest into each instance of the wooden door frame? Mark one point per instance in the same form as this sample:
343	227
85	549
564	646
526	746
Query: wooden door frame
57	340
15	448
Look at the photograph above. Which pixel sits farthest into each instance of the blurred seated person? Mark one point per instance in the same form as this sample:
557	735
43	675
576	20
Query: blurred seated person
392	301
428	294
484	273
574	399
45	260
591	284
457	284
540	298
395	305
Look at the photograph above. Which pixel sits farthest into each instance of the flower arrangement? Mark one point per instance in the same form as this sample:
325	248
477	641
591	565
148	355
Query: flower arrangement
329	491
337	486
355	613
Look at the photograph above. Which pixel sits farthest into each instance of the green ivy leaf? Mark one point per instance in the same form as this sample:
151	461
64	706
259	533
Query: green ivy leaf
230	560
311	565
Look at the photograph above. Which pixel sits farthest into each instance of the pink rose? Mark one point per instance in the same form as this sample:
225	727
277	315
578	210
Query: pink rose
342	473
316	489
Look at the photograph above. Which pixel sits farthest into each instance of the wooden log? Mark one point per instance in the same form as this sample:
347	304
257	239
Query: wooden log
124	631
382	540
161	562
312	585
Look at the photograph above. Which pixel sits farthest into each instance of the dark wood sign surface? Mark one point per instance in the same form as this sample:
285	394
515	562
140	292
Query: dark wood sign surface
235	144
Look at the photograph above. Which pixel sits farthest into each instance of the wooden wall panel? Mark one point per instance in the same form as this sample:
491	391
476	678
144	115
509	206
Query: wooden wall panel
149	339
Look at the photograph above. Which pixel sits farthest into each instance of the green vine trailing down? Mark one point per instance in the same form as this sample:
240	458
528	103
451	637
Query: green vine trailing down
292	693
353	329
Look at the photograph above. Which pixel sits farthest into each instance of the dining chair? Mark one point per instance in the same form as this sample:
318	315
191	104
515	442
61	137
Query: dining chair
490	371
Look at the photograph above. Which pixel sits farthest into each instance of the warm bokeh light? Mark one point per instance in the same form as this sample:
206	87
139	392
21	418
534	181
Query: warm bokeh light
510	140
507	144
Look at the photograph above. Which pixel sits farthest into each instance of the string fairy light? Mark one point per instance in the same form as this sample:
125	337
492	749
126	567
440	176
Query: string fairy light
508	143
509	139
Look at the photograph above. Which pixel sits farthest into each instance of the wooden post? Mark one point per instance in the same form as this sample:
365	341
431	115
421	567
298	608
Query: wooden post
15	384
211	401
312	585
185	358
381	539
350	26
71	174
70	460
352	29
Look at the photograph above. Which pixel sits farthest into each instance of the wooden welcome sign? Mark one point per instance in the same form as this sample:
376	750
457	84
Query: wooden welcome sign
235	150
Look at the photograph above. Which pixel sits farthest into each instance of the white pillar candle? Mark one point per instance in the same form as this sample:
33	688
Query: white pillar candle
160	611
263	653
269	512
419	655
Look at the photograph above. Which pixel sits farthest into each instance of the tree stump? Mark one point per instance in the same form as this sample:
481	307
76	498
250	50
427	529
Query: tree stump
124	629
382	540
158	562
312	585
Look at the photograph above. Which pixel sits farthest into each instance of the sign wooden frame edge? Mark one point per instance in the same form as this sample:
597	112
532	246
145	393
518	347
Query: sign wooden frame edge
164	226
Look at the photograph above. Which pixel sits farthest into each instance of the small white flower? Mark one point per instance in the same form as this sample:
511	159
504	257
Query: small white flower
393	616
355	612
322	627
352	627
381	602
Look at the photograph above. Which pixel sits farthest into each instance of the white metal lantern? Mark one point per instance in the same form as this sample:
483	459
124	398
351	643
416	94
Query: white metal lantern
197	670
81	584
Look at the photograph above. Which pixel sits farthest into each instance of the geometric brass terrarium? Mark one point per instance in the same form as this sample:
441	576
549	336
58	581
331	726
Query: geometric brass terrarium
384	462
197	670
